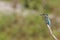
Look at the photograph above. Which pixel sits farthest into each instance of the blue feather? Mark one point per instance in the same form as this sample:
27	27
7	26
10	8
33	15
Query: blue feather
47	20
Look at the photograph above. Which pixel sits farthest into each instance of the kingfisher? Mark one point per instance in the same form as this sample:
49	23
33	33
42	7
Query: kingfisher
48	22
47	19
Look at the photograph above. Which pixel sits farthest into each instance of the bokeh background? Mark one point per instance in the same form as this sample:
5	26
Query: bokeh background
21	20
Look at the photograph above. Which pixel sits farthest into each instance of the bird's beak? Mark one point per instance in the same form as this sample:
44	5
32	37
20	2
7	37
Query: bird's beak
41	14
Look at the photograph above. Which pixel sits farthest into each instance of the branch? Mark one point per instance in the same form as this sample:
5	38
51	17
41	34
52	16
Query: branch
51	32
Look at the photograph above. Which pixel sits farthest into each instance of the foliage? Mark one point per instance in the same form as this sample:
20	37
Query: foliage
33	26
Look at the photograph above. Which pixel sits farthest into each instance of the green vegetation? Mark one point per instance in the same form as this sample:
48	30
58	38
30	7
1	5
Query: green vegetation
31	27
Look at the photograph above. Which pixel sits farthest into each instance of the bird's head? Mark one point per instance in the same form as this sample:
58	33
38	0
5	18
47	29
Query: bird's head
45	15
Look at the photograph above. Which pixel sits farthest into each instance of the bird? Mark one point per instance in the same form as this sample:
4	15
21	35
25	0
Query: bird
48	22
46	19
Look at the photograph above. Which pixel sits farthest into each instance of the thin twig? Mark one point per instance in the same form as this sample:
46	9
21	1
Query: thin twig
52	33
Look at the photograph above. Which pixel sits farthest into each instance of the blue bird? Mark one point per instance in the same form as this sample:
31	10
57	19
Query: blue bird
48	22
46	18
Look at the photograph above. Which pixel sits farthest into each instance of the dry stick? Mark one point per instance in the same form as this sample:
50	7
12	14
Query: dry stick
51	32
45	2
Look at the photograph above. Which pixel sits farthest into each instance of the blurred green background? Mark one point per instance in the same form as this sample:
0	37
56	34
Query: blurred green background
28	24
